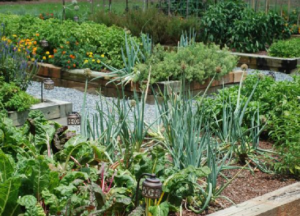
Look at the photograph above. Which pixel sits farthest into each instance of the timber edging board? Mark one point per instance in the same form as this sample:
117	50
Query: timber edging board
76	79
52	109
282	202
263	62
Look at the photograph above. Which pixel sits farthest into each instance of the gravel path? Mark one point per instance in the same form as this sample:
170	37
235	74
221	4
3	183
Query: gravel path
76	97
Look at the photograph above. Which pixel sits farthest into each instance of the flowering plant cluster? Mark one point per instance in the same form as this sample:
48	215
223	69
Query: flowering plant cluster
29	46
295	29
72	55
45	16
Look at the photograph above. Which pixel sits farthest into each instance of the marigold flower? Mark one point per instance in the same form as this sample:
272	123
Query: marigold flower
93	60
44	58
47	53
74	65
34	42
54	50
37	34
69	62
91	56
86	61
64	52
98	61
50	56
32	59
102	55
14	35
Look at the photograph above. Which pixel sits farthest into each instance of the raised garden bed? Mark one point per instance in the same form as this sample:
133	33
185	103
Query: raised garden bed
263	62
76	79
52	109
295	36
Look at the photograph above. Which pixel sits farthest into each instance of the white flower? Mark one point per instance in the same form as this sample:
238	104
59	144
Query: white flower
74	1
76	7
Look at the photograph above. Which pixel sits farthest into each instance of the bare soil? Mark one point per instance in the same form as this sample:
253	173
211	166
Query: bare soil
245	186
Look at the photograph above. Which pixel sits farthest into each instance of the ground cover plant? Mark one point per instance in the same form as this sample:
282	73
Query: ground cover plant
90	37
285	48
197	62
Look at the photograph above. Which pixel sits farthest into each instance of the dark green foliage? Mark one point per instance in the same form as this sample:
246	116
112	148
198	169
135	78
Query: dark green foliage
286	48
161	28
12	98
242	29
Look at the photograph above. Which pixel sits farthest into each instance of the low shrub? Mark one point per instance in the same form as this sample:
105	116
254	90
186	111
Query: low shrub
285	48
162	28
12	98
195	63
105	40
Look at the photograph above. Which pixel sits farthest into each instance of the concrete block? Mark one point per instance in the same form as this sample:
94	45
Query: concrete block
52	109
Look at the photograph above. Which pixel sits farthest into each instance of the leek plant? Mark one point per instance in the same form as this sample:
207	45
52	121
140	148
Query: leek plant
187	39
240	142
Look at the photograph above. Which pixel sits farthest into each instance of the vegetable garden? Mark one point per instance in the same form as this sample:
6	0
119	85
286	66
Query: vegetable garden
194	147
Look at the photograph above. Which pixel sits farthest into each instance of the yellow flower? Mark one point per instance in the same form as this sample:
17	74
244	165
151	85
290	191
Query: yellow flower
47	53
19	50
32	59
86	61
93	60
14	35
44	58
102	55
91	56
98	61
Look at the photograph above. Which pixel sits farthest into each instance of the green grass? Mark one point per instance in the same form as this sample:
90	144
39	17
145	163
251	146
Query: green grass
83	13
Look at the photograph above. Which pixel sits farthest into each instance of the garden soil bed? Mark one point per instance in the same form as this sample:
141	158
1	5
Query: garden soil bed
245	187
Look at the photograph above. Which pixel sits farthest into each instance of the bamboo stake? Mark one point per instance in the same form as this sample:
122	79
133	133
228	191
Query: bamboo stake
289	8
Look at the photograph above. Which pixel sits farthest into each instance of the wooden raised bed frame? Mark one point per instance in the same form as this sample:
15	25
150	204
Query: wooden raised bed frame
76	79
263	62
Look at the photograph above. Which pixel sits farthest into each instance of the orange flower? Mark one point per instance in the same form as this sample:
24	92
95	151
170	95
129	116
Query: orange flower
74	65
68	67
34	42
37	34
69	62
54	50
50	56
64	52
